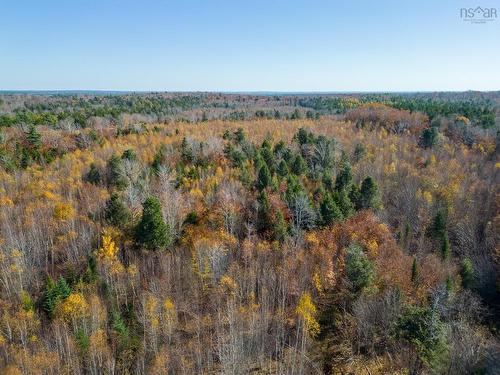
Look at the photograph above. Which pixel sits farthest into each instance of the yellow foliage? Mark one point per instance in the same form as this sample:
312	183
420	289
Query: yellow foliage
74	307
427	195
228	285
168	305
63	211
306	311
316	279
6	201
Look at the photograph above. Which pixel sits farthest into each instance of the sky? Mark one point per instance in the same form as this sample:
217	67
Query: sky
258	45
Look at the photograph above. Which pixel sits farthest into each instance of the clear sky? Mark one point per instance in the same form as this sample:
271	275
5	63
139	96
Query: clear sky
247	45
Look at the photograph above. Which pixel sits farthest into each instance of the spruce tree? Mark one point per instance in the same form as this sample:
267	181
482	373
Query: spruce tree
115	212
445	246
299	166
152	232
329	210
115	173
279	227
344	203
344	177
263	214
414	270
282	169
264	178
369	194
467	273
93	175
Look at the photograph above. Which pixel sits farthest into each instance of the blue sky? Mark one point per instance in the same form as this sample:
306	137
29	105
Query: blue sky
224	45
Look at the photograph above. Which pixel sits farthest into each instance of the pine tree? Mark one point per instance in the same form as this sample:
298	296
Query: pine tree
355	196
329	210
263	214
282	169
467	273
344	178
414	270
264	178
152	232
359	269
115	212
115	173
344	203
54	292
369	194
445	246
438	227
299	166
93	175
279	227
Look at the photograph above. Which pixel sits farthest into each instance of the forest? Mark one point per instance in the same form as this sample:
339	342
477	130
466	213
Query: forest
212	233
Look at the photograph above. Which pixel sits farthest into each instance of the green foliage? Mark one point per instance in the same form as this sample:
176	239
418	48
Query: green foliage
264	220
445	247
423	330
282	170
186	151
152	232
344	203
53	293
429	137
93	175
359	269
115	174
27	301
129	155
299	166
280	227
369	195
467	273
82	339
264	178
414	270
115	212
329	210
191	218
344	178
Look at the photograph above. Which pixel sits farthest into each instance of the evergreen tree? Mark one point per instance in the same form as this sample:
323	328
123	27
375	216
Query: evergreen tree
445	246
280	227
152	232
282	169
129	155
186	151
116	177
264	212
429	137
115	212
264	178
93	175
299	166
359	268
414	270
327	181
467	273
53	293
438	227
355	196
344	203
344	178
369	194
329	210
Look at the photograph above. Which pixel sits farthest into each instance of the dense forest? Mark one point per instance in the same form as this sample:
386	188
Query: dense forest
206	233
